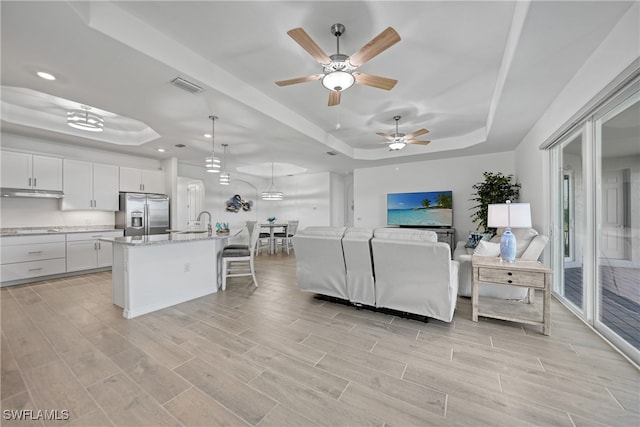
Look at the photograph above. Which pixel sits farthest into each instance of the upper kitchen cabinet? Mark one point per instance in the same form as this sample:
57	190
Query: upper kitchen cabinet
90	186
30	171
141	180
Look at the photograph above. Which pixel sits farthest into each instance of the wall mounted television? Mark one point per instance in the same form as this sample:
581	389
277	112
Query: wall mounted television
420	209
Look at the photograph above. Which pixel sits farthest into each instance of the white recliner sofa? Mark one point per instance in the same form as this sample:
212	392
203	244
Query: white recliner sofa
320	261
529	245
356	245
414	273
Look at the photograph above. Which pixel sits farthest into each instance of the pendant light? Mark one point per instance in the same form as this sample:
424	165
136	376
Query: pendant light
85	120
272	193
211	163
225	177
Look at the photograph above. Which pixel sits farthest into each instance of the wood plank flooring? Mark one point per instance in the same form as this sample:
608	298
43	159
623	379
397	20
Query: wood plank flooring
273	356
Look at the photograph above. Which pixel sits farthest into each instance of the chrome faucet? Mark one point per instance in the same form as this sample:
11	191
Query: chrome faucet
209	229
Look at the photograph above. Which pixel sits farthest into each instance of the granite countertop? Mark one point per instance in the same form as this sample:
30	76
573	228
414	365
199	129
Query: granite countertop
30	231
163	239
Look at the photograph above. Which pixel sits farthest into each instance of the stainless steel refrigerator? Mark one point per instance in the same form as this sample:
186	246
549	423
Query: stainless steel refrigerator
142	214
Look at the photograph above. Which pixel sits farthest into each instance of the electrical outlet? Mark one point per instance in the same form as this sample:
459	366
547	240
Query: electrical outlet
187	267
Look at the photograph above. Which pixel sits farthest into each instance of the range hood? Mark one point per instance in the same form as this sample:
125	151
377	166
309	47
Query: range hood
21	192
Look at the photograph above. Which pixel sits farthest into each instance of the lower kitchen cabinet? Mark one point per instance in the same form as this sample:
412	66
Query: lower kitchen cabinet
25	257
85	251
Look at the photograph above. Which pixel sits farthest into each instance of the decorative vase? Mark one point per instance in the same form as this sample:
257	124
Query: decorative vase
508	246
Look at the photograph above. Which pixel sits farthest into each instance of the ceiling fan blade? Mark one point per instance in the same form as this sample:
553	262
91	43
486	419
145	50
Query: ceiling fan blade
375	81
416	133
307	43
413	141
385	135
379	44
299	80
334	98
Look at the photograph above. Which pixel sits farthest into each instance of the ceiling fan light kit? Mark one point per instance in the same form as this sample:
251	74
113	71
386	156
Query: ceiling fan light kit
398	140
338	80
397	145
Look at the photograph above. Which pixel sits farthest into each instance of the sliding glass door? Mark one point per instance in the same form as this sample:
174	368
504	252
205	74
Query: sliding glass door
617	138
596	245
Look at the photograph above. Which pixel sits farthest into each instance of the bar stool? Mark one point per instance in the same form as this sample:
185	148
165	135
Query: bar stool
238	253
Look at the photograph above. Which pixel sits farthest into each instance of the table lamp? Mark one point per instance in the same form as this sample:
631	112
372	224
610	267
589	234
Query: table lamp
509	215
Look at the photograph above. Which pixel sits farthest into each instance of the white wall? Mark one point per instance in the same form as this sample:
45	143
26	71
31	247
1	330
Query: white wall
619	49
24	212
18	212
371	186
337	189
307	198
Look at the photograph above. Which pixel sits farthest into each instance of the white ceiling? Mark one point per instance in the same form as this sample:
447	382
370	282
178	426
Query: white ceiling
477	74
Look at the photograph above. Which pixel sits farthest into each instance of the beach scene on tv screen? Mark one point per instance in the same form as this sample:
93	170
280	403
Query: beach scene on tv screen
429	209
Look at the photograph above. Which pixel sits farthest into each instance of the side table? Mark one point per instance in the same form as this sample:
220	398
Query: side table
523	273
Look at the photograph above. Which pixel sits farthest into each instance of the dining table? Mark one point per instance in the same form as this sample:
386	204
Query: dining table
272	227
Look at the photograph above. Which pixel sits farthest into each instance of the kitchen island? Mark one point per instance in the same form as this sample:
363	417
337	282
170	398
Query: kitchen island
157	271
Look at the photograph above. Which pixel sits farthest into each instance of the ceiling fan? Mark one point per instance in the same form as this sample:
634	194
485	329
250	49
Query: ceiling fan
339	69
397	141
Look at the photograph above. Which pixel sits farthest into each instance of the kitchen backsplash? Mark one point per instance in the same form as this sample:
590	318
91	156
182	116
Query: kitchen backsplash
23	212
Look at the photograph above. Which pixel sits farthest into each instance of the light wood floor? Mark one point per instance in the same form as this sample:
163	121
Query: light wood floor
273	356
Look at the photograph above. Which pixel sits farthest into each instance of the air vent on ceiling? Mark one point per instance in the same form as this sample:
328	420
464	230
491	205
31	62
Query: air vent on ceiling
186	85
332	153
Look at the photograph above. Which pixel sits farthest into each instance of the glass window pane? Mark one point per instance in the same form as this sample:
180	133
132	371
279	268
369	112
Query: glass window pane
572	194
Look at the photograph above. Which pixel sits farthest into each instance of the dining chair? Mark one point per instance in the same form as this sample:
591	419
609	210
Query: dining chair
285	237
238	259
251	225
264	238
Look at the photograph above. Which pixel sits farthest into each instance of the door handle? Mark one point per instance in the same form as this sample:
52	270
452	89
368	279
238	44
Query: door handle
35	180
29	182
34	252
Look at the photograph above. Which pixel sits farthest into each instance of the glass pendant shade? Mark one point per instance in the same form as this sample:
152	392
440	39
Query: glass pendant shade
212	164
225	177
271	194
397	145
85	120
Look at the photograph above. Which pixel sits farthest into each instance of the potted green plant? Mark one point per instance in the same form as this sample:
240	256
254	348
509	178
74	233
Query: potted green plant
496	188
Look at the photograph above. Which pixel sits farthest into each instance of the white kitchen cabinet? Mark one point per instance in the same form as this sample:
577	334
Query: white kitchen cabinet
141	180
25	257
90	186
85	251
30	171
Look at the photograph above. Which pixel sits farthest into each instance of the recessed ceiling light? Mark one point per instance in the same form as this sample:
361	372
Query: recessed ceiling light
46	76
207	135
162	150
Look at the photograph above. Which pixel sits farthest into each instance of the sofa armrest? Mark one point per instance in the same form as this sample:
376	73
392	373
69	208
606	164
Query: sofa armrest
461	252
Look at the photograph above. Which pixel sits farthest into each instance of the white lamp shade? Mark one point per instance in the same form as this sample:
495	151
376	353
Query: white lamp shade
513	215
